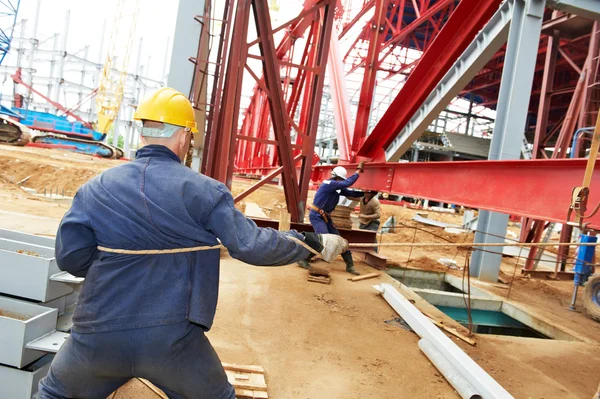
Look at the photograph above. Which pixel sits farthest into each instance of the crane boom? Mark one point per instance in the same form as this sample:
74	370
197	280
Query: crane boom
114	72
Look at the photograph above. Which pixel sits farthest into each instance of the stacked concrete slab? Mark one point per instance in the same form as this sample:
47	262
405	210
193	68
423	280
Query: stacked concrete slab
36	304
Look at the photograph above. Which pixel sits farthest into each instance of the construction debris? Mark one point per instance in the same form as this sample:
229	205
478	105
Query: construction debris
365	277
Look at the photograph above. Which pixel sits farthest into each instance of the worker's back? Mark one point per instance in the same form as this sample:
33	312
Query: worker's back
148	203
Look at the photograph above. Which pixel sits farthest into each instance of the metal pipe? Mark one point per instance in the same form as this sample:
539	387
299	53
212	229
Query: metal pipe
464	389
574	298
576	136
471	371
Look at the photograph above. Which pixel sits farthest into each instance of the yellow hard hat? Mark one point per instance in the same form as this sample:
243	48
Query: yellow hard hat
167	105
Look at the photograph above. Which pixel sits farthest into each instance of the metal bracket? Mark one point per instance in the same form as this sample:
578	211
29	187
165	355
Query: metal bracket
48	343
65	277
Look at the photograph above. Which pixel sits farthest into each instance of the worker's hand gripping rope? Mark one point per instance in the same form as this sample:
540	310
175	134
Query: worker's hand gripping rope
327	245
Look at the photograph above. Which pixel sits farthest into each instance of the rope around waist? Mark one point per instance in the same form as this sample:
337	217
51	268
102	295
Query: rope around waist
185	250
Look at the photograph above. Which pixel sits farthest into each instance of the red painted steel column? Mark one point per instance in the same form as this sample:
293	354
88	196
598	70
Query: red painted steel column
463	25
281	127
546	94
377	28
211	137
323	42
224	144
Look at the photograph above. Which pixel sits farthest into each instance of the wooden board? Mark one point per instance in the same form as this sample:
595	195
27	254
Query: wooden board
248	381
450	330
365	276
284	220
319	279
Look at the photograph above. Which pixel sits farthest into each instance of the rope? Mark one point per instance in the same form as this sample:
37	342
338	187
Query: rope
352	245
474	244
188	249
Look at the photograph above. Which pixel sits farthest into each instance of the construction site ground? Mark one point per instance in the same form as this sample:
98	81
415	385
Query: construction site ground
331	341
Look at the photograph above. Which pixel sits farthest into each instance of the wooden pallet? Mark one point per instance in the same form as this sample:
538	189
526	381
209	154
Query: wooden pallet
248	381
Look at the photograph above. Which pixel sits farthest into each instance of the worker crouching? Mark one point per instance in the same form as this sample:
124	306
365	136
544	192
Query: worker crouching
143	314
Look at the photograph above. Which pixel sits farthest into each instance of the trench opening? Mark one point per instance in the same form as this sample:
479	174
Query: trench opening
423	280
492	322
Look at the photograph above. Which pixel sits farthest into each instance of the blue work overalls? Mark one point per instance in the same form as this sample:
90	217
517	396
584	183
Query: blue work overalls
326	199
145	315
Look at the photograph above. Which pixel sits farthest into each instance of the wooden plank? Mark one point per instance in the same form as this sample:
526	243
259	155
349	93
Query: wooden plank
365	276
247	369
154	389
242	377
319	279
249	394
249	385
284	220
450	330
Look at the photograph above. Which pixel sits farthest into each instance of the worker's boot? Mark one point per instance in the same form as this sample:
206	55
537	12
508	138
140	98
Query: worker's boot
347	256
304	264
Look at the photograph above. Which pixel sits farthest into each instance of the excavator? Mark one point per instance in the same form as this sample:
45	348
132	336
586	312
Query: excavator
56	131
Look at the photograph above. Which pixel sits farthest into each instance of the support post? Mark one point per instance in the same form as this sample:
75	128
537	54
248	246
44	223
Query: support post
513	101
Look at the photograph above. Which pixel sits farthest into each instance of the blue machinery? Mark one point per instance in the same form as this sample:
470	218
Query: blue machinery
64	133
584	267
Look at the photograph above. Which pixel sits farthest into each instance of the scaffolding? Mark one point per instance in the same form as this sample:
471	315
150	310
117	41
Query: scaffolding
70	77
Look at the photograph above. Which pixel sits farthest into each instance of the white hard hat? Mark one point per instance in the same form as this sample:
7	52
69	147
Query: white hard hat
339	171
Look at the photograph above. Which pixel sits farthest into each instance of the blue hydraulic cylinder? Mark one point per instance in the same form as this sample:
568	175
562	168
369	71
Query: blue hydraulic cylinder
584	260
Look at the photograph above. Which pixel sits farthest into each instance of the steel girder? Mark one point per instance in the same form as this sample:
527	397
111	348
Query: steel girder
539	189
265	140
465	22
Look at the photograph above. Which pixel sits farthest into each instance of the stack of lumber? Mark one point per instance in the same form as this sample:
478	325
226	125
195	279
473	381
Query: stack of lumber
341	217
248	381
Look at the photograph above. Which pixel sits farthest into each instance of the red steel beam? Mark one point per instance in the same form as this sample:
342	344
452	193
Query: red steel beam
281	127
538	189
465	22
377	32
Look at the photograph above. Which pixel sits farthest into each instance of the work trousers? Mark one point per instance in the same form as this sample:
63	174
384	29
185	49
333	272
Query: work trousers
177	358
322	227
373	226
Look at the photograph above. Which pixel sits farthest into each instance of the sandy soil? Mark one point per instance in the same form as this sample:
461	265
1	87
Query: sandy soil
317	341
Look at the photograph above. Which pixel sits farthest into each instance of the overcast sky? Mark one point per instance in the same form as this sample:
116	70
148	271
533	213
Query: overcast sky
156	25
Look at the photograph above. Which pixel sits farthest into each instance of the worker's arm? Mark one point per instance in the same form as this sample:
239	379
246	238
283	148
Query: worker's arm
352	194
76	246
376	208
340	185
246	241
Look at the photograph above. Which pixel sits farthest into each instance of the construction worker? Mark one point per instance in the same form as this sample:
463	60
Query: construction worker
370	211
325	201
145	315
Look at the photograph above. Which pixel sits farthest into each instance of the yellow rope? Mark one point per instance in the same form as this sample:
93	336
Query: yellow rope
352	245
183	250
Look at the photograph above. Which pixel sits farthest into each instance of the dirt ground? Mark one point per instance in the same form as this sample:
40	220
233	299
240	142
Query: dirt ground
331	341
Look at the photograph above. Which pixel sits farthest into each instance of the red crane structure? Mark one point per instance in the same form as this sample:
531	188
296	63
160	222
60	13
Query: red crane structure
462	52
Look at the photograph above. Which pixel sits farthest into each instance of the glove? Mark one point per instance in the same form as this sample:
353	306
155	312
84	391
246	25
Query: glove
361	166
328	245
333	245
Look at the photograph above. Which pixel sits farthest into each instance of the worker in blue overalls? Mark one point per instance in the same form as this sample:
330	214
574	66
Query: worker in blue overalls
325	201
145	315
